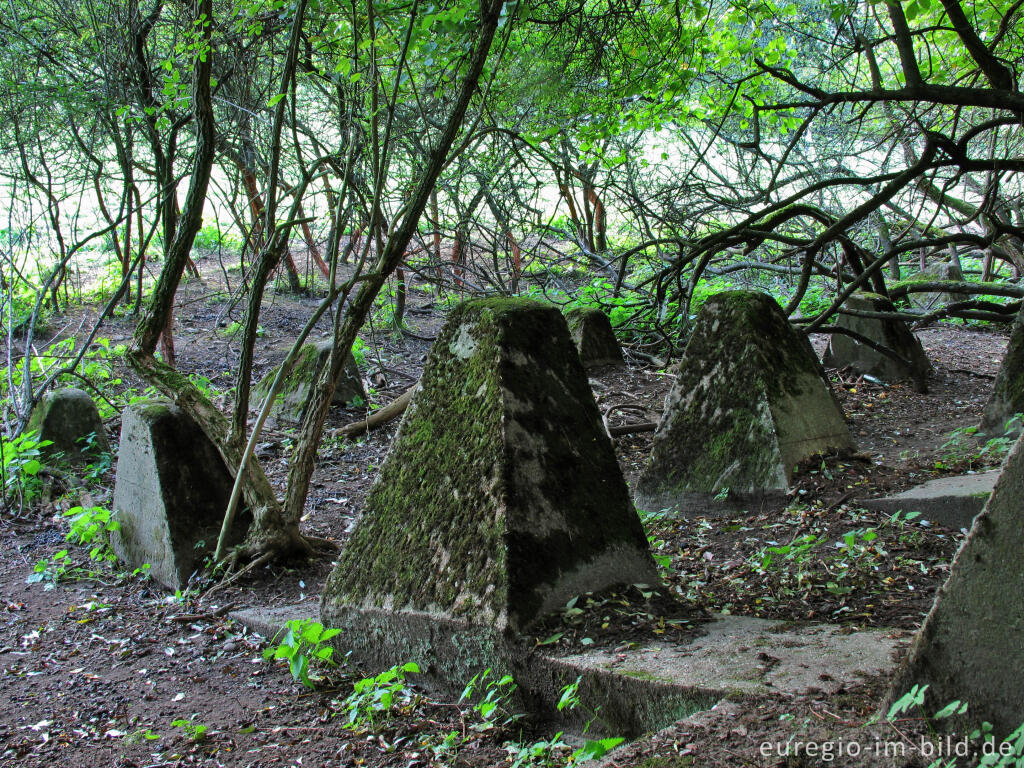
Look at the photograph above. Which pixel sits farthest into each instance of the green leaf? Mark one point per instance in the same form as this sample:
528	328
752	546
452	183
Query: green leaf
594	749
953	708
273	101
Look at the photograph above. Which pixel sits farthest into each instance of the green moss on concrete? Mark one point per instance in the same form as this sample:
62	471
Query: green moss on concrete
486	499
744	364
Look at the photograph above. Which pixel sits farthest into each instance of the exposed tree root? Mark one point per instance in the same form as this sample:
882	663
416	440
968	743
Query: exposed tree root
248	557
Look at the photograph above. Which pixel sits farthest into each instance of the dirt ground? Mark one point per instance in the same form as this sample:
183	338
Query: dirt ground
107	669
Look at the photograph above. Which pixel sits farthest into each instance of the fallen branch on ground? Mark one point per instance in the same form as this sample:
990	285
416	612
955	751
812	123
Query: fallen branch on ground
379	417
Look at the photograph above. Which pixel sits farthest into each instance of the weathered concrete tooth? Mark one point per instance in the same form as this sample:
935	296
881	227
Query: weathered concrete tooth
750	402
170	494
500	500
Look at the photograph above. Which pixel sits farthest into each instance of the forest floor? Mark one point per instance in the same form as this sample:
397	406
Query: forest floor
100	668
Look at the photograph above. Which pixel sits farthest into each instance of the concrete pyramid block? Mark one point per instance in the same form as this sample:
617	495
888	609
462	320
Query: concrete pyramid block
501	498
1007	396
971	645
749	403
68	417
171	490
293	395
595	340
894	335
940	271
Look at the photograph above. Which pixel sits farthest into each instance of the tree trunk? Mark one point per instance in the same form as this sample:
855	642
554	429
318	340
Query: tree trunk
304	458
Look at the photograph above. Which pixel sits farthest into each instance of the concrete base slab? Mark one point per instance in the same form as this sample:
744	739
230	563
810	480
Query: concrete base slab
757	657
646	688
950	501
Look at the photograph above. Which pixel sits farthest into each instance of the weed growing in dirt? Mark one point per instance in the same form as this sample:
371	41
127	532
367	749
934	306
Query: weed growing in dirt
93	526
795	557
963	445
195	731
1007	754
554	751
374	697
302	643
50	571
141	736
493	705
89	527
19	468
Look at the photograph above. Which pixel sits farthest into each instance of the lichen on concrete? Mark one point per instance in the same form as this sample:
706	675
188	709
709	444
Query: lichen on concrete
294	393
501	497
749	403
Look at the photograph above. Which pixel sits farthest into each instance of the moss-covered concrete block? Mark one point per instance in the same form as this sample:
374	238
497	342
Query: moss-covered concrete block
936	272
170	494
501	497
69	418
971	645
749	403
591	331
1007	396
910	362
293	395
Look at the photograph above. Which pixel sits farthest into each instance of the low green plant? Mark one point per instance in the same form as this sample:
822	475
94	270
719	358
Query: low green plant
20	466
194	730
963	444
550	752
89	528
93	526
50	571
492	696
359	350
213	238
141	735
374	697
799	552
302	643
1008	754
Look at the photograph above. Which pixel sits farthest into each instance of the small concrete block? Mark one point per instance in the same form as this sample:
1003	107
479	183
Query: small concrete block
845	351
938	272
68	417
595	340
293	394
170	494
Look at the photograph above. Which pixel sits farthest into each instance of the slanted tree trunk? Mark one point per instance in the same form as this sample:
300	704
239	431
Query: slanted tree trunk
304	458
268	528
